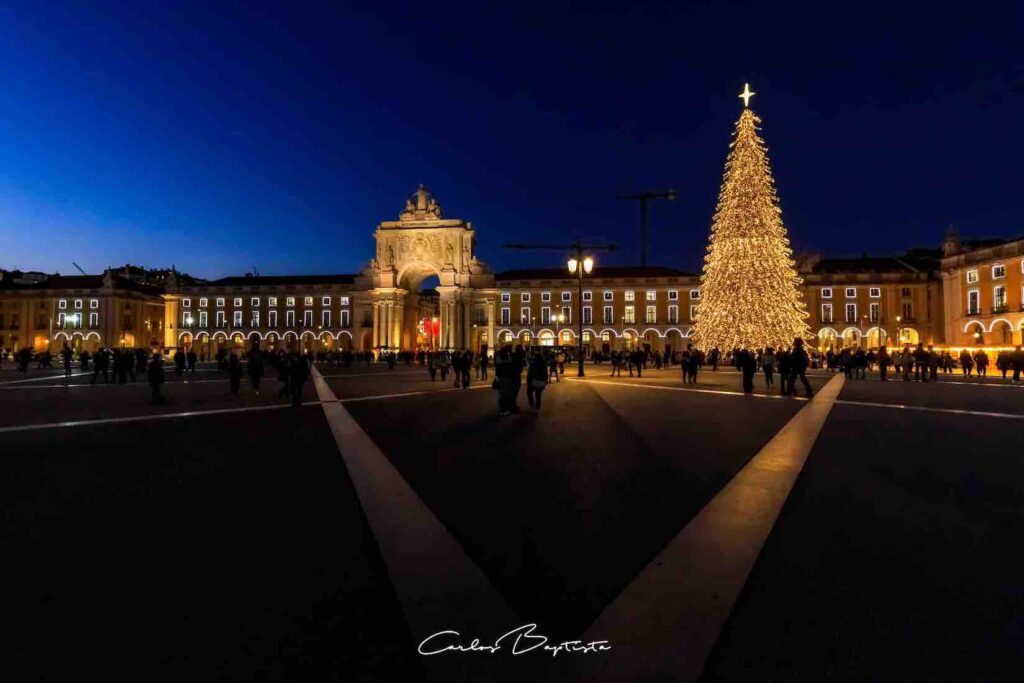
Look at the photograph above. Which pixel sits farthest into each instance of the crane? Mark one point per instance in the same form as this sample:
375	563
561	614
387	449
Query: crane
79	268
643	198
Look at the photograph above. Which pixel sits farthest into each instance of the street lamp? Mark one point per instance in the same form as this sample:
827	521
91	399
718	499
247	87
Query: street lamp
579	265
898	339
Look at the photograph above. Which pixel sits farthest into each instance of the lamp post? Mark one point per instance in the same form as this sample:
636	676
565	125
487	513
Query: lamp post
898	340
579	265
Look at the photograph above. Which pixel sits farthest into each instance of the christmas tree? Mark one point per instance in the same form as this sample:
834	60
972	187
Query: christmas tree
750	291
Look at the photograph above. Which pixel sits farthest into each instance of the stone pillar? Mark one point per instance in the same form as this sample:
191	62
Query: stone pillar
376	322
491	340
387	325
397	326
467	324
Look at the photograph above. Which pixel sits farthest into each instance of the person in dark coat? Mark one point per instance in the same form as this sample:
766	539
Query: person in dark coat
155	375
234	373
798	362
1017	361
65	356
298	372
179	362
506	380
536	380
884	361
190	360
746	362
255	369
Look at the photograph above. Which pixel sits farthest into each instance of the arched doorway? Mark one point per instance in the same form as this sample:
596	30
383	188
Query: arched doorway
1001	333
546	338
875	338
827	339
851	337
908	335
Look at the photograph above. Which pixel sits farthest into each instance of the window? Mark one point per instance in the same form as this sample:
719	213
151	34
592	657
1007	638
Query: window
325	318
254	319
826	313
851	292
874	292
186	319
60	320
272	301
505	297
220	302
694	293
62	304
94	320
588	295
673	295
272	318
652	295
826	292
566	296
652	315
254	302
185	303
907	310
238	302
873	312
289	301
203	302
345	318
236	319
630	295
588	315
851	313
693	313
566	315
308	301
974	301
905	291
608	317
545	296
202	318
221	320
524	316
289	318
545	315
972	277
629	318
673	315
78	304
307	318
525	297
506	316
586	337
998	271
606	336
999	297
325	301
608	295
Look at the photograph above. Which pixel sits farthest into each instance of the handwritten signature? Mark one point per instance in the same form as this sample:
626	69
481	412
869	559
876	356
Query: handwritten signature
521	640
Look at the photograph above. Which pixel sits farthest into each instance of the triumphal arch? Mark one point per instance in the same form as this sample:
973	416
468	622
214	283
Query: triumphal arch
420	244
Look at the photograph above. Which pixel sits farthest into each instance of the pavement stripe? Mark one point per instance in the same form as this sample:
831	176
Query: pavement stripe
41	379
930	409
664	624
142	418
437	584
662	387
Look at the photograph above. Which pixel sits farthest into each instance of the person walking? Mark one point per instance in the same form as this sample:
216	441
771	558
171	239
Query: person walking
179	362
432	365
883	363
467	361
83	360
506	379
484	362
536	380
981	361
692	364
234	373
798	362
966	362
768	365
1017	361
298	372
920	364
155	375
190	360
746	363
65	356
254	367
552	363
713	358
933	364
907	359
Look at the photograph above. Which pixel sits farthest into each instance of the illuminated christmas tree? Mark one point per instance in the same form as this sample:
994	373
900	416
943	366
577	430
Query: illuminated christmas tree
750	291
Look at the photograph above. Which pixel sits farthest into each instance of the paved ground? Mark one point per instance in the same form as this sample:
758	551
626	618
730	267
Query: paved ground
221	536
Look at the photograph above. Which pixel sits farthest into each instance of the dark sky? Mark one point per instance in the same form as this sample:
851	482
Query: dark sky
221	138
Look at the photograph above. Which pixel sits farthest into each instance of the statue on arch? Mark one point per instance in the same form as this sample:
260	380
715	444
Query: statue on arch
449	253
410	211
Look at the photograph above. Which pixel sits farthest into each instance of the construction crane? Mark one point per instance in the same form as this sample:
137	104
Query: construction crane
79	268
643	198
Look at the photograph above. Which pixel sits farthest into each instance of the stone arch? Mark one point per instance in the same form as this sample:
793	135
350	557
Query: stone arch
412	274
1001	332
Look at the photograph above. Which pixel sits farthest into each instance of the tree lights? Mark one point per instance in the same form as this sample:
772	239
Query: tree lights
750	291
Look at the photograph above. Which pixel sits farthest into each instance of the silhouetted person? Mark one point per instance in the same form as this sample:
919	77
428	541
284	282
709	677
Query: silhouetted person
798	362
155	375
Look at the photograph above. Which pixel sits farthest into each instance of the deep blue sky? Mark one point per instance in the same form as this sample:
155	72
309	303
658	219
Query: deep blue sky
217	139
